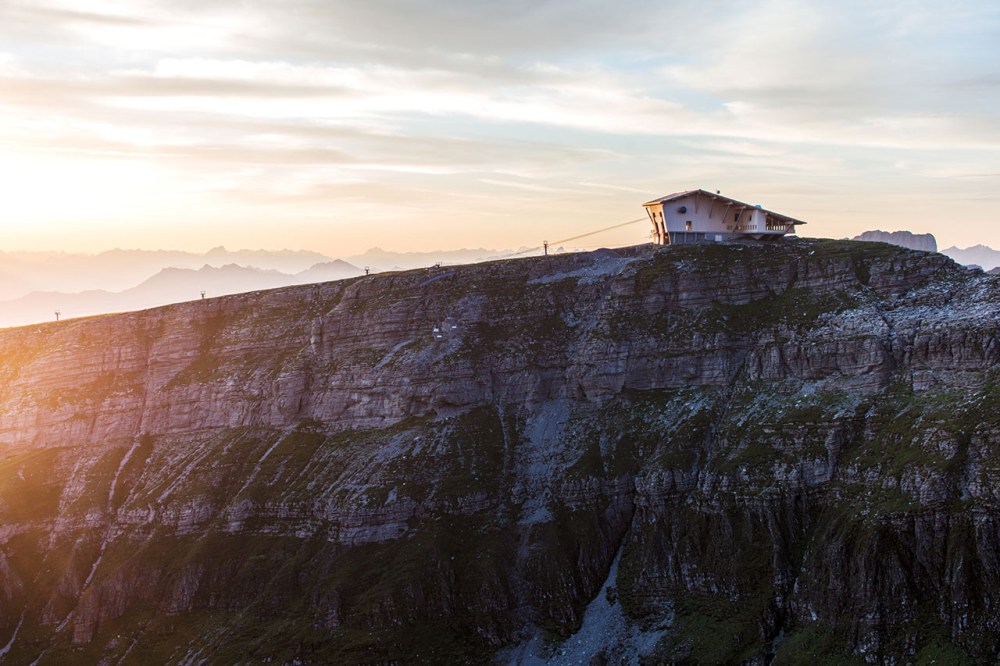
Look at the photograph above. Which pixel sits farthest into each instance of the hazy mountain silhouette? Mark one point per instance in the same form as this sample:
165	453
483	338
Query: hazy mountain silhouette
383	260
34	285
338	269
117	270
170	285
977	255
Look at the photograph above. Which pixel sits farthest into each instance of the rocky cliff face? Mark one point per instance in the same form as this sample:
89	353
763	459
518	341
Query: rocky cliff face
705	454
907	239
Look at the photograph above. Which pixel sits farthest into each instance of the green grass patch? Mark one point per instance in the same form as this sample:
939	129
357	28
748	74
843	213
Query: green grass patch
815	645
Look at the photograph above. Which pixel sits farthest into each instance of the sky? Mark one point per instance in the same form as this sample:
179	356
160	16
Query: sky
339	125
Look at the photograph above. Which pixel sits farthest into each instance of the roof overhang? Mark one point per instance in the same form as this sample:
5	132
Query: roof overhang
718	197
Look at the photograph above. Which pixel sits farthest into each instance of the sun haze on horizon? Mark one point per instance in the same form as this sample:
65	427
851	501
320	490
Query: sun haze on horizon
423	125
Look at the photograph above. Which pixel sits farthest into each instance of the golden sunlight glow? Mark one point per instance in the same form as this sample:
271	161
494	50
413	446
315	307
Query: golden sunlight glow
45	190
341	126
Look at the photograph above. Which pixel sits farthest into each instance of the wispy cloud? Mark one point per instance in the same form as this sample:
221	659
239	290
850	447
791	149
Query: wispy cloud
421	108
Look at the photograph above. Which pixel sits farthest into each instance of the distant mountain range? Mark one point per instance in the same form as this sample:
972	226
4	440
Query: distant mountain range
169	285
383	260
33	285
979	255
116	270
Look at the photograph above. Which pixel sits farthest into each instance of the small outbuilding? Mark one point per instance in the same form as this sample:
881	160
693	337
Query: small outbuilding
697	216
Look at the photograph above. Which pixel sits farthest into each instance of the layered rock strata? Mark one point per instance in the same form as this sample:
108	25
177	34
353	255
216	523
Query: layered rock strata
775	451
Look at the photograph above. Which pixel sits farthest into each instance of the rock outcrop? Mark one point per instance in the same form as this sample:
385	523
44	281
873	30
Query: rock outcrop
907	239
751	452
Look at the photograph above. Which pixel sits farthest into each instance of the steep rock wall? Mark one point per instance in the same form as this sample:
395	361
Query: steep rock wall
791	446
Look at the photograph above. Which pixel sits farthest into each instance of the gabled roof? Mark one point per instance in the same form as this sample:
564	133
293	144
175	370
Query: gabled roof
719	197
671	197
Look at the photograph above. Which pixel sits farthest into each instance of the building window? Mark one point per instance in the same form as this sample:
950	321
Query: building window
736	216
687	225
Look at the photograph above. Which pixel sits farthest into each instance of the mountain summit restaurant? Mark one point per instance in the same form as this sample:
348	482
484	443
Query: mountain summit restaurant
698	216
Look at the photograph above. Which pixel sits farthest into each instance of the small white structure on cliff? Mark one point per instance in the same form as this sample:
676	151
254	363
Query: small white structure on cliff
697	216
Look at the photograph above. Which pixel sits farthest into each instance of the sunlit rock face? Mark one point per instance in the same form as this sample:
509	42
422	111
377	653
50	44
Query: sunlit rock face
694	454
